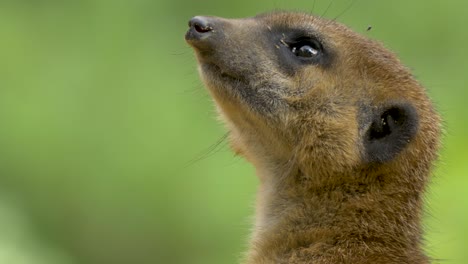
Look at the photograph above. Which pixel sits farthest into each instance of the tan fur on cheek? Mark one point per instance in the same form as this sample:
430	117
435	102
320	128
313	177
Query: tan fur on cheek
332	146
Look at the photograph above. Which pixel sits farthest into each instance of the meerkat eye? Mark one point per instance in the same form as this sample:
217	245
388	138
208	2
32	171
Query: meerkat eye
305	51
305	48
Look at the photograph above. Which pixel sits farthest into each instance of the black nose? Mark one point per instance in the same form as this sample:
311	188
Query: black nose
200	24
201	29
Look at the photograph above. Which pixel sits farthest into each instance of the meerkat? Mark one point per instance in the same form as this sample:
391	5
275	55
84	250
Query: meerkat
342	136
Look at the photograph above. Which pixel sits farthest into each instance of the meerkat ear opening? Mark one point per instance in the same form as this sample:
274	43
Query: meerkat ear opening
391	129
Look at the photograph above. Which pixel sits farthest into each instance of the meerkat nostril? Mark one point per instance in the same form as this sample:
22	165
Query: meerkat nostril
202	29
200	24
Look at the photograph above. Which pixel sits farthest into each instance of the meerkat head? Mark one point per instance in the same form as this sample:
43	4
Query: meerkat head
295	88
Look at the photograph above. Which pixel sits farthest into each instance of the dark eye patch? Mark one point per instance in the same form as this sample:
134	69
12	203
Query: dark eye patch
297	48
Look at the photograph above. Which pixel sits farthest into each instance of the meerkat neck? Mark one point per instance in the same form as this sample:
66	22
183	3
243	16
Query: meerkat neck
342	219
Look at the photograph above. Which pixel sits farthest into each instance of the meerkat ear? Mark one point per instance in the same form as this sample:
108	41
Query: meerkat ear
391	129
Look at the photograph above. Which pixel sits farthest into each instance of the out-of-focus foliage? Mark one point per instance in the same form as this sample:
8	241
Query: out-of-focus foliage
102	114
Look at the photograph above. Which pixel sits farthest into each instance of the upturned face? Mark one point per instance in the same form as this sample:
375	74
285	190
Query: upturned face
292	85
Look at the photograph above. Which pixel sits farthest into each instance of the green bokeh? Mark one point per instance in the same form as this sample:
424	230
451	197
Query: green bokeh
104	127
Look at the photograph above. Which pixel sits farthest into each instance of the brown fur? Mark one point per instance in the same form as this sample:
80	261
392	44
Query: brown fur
319	201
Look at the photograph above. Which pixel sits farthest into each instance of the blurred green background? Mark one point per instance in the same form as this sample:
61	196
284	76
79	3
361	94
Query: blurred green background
106	130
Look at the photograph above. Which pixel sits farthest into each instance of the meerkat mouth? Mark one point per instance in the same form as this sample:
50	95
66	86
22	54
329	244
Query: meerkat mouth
218	73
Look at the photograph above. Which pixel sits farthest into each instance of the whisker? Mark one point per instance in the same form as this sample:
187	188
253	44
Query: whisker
346	10
328	7
218	145
181	51
196	90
